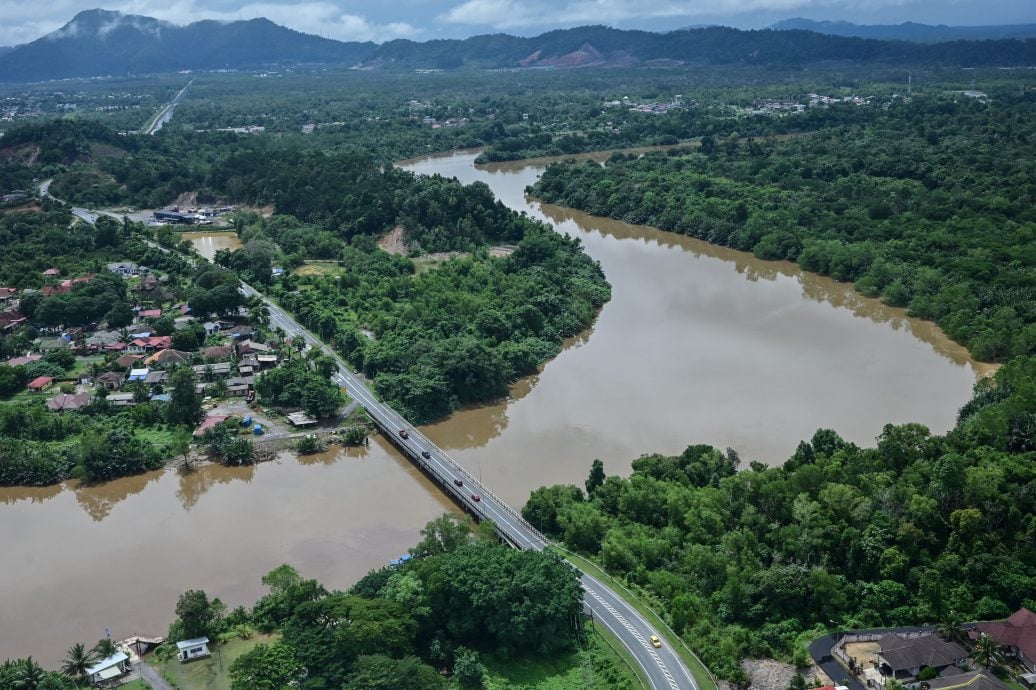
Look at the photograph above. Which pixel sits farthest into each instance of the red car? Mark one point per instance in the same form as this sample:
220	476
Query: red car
403	433
458	482
476	498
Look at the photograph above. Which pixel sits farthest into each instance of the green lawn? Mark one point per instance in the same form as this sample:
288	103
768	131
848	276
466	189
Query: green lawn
135	685
596	668
159	437
83	363
701	675
211	673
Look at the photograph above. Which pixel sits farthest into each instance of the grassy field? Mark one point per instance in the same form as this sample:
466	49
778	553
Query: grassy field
596	668
698	670
211	673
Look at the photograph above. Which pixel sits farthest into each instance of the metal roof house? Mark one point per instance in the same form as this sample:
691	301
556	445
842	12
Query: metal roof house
189	650
106	669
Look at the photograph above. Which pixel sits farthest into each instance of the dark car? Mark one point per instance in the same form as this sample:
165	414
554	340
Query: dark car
458	482
403	433
476	498
425	454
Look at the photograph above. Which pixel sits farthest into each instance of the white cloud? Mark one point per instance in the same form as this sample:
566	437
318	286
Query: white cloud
22	21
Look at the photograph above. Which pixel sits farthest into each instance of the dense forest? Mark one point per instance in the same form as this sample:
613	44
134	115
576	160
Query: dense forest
458	334
462	614
913	207
919	529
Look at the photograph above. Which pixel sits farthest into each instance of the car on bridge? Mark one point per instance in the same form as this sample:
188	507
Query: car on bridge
403	433
458	482
655	642
425	454
476	498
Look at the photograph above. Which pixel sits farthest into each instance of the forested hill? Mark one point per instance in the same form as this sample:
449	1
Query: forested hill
909	31
97	43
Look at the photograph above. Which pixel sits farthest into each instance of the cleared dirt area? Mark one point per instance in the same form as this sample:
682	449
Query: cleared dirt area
394	242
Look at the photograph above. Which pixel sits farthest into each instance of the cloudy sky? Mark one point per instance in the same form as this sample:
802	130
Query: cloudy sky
22	21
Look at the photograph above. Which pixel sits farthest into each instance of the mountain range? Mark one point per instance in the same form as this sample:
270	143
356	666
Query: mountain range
102	43
909	31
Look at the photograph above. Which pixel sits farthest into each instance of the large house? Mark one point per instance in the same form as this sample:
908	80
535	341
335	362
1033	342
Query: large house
904	658
150	343
1017	635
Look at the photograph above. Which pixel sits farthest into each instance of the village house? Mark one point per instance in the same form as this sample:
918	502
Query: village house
217	353
156	378
10	320
107	669
1016	636
903	659
238	386
68	401
121	399
99	340
51	273
150	343
189	650
149	313
168	357
7	294
127	361
138	375
973	680
112	380
250	347
23	360
241	332
127	268
40	384
212	372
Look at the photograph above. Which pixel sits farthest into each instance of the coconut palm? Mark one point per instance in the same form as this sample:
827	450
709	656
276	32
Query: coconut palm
104	648
987	651
28	675
949	628
79	659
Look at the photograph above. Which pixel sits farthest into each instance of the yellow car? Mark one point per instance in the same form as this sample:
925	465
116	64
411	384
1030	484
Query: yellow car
655	642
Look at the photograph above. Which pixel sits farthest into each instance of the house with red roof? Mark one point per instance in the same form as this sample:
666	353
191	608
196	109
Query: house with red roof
40	384
1016	635
149	313
150	343
7	293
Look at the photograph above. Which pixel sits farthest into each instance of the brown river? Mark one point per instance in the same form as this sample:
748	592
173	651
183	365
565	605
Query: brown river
698	345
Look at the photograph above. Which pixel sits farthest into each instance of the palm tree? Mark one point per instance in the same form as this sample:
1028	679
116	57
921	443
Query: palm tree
78	660
28	675
949	628
105	648
987	651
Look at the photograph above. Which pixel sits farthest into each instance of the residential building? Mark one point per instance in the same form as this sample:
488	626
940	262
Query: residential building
904	658
1017	636
974	680
68	401
40	384
23	360
168	357
107	669
112	380
188	650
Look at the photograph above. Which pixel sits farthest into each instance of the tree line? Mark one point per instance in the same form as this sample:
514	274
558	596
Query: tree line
754	563
912	208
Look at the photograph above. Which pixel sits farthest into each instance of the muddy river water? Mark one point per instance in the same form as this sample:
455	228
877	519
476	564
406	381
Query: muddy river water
698	345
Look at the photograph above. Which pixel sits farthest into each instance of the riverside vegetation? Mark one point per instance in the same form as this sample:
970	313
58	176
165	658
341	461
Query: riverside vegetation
929	206
425	625
754	563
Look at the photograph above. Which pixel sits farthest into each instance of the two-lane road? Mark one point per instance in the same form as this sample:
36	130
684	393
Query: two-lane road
664	669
